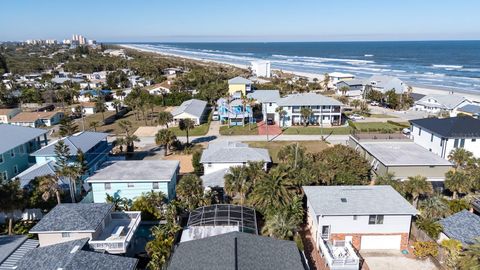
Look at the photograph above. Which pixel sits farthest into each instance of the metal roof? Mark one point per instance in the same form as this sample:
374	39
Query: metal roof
194	107
80	141
448	102
463	226
233	152
387	83
13	248
215	179
37	170
452	127
470	108
308	99
13	136
73	217
359	200
136	170
263	96
239	80
236	250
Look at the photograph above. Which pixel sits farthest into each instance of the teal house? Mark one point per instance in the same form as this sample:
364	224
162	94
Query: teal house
129	179
16	144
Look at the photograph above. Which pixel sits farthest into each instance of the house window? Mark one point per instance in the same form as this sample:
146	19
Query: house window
1	158
325	231
375	219
419	131
474	140
12	153
431	138
155	185
354	217
107	186
130	185
455	143
441	142
462	143
65	234
4	175
15	169
209	165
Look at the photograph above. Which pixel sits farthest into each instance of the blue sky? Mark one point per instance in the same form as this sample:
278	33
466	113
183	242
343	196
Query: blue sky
245	20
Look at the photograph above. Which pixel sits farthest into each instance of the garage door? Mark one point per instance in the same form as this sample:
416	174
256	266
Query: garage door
381	242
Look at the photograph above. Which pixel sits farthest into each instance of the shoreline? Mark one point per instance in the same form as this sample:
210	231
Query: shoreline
418	89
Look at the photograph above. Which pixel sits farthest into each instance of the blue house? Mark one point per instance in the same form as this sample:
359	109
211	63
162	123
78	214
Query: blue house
234	112
94	145
129	179
16	144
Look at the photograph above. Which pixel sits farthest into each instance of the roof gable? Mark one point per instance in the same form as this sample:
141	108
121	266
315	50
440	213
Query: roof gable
239	80
13	136
193	107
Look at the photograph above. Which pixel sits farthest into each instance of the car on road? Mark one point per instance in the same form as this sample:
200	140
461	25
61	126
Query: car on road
406	131
374	103
356	117
215	116
270	121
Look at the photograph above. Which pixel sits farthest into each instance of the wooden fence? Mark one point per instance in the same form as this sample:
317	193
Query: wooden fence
419	235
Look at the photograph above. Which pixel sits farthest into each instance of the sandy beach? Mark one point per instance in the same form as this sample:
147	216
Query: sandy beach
416	88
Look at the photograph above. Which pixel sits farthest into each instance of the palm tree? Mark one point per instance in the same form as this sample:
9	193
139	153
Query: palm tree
130	142
326	81
65	168
120	141
117	104
344	90
355	103
251	103
280	226
190	191
94	124
281	113
470	258
100	106
186	124
165	137
48	185
457	182
164	118
417	186
453	248
11	199
460	157
125	125
306	113
237	183
434	208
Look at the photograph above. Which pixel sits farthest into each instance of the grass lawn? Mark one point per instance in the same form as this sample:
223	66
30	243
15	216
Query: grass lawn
381	116
317	131
197	131
274	147
379	126
239	130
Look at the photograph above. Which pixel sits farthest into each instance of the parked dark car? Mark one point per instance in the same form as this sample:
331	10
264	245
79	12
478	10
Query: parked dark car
270	121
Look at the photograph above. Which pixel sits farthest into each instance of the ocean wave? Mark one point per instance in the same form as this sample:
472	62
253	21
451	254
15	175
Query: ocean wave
448	67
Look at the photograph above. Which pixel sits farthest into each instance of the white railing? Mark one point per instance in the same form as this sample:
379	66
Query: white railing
351	261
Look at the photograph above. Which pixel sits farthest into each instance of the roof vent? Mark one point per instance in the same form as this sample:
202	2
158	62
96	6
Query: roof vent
75	249
344	200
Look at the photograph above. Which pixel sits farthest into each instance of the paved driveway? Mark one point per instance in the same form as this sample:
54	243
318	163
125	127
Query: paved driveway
394	260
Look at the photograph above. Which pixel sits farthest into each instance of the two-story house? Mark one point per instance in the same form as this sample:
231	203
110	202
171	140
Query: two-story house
336	77
106	229
239	84
351	88
129	179
7	114
441	136
341	218
268	99
16	144
324	110
234	111
383	84
219	157
37	119
441	103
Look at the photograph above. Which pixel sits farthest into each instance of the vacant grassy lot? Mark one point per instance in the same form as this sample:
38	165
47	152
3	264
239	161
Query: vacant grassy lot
317	131
197	131
275	146
380	126
239	130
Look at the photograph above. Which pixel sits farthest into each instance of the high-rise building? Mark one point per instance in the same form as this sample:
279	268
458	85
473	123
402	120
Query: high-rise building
261	68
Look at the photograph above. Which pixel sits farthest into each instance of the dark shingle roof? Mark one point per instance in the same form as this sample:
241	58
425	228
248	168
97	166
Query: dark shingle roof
70	217
464	127
236	250
463	226
73	256
80	141
13	248
13	136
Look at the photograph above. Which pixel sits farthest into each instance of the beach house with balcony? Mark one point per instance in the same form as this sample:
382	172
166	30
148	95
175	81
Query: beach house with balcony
435	104
239	85
383	84
350	88
324	110
234	111
343	219
441	136
336	77
107	230
129	179
268	99
16	144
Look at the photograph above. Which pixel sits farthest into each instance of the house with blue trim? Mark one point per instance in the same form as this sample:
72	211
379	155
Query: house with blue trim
234	111
129	179
16	144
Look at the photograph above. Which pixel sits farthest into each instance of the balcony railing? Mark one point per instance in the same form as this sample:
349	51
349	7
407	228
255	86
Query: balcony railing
339	255
119	244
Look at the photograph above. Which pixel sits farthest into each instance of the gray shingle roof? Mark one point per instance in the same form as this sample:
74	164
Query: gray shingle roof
233	152
137	170
37	170
403	154
360	200
352	82
80	141
308	99
73	255
449	102
72	217
215	179
463	226
452	127
239	80
13	136
194	107
236	250
387	83
470	108
13	248
263	96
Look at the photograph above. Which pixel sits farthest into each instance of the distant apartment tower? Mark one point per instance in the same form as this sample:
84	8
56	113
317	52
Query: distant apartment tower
261	68
78	39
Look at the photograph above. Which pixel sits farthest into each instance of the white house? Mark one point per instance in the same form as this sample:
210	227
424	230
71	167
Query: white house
365	217
221	156
336	77
441	136
325	110
441	103
350	88
193	109
384	84
268	99
261	68
7	114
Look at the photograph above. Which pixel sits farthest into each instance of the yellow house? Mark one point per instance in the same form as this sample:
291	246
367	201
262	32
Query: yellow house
239	84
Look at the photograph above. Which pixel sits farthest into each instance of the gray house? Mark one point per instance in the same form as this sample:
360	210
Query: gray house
193	109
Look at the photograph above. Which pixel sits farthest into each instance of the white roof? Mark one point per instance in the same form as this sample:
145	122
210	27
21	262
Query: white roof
136	170
341	75
239	80
308	99
449	102
233	152
193	107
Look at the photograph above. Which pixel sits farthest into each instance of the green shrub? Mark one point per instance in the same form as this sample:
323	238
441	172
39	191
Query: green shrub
429	226
425	249
456	206
298	240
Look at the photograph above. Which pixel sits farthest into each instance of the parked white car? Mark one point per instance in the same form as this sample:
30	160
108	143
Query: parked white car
356	117
374	103
406	131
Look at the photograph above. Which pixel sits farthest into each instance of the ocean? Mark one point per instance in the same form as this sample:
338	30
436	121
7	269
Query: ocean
451	65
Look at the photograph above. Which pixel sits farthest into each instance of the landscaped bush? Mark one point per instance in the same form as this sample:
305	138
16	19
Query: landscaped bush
425	249
429	226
